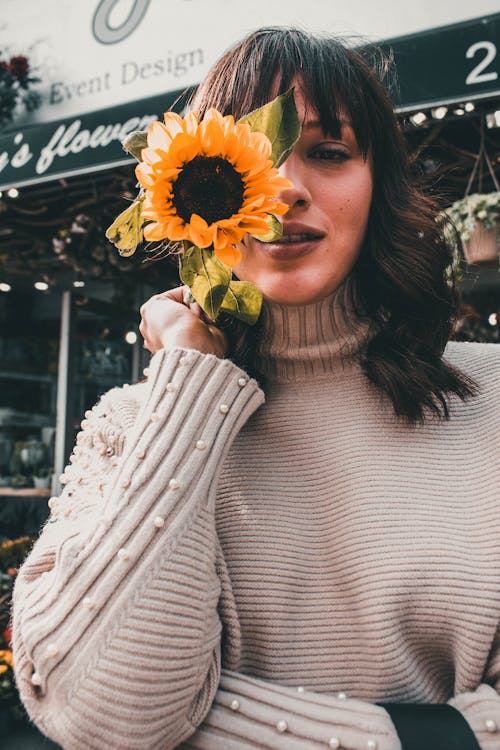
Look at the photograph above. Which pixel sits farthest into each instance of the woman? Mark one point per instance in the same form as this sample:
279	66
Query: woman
319	571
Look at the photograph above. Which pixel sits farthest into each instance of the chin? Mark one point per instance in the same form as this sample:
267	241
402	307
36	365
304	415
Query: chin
295	294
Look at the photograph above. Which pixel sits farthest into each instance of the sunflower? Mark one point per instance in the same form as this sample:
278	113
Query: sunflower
208	182
6	660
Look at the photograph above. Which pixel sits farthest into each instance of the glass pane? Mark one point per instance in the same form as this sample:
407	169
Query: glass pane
29	349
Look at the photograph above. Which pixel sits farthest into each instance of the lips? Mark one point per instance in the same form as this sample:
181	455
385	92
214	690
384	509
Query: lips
288	239
293	231
297	239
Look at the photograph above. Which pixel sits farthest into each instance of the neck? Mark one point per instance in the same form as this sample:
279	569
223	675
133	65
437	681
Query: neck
298	342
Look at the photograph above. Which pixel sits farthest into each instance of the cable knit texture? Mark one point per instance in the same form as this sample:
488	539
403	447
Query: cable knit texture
219	575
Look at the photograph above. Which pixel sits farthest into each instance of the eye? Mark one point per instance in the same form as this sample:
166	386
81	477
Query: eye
329	152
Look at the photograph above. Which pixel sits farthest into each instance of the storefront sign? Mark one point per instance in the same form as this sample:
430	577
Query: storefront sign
94	54
79	144
454	64
451	64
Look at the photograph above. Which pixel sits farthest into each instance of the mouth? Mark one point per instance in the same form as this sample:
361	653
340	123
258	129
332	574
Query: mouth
292	244
298	237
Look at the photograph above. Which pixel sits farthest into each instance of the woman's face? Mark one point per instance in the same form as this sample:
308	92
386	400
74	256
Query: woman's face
325	225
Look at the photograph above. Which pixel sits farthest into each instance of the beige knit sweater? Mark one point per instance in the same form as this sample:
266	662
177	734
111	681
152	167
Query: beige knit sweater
221	576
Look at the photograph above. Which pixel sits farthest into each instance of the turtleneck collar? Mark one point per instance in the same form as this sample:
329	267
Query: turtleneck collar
298	342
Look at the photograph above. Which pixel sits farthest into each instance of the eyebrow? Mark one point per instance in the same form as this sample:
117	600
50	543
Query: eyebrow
315	124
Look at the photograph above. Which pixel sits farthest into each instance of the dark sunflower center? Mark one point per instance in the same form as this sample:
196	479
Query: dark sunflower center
210	187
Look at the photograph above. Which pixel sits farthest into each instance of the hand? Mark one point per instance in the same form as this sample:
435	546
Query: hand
167	321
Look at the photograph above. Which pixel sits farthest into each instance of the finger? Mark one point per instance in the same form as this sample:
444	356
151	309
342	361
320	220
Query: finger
183	294
187	297
177	294
196	308
144	334
219	338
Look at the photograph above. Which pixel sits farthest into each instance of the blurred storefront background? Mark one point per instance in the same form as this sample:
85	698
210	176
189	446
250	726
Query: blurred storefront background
75	78
68	303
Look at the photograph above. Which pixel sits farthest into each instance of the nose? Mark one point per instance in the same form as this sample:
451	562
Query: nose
298	196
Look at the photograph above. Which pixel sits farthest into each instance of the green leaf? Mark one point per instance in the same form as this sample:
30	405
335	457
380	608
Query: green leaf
275	230
126	230
280	122
134	143
243	300
207	278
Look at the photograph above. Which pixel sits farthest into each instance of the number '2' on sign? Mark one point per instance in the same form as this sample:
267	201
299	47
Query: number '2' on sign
478	73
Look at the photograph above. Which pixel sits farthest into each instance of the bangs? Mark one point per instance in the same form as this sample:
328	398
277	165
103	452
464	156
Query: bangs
336	79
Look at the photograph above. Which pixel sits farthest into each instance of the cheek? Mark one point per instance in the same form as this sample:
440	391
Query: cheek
350	212
244	268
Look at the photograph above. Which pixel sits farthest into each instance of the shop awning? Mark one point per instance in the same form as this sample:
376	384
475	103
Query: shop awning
447	65
450	64
77	145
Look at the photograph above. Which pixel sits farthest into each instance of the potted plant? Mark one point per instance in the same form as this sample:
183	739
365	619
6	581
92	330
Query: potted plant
12	554
42	478
475	219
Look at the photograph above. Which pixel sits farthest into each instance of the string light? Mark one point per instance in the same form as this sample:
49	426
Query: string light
131	337
439	113
78	284
493	119
493	319
4	287
42	286
418	118
442	111
13	193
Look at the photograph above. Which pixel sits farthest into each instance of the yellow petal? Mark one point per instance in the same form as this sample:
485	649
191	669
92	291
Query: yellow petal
232	221
251	162
200	233
155	231
158	136
174	124
212	137
253	202
191	123
228	125
153	156
145	175
228	254
234	234
254	224
177	230
281	182
261	142
243	130
214	115
184	148
276	207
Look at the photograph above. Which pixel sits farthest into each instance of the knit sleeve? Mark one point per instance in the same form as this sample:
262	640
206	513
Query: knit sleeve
116	635
249	713
481	707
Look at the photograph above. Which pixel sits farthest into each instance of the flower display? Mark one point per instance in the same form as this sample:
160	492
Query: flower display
483	207
205	185
12	554
19	67
6	661
15	87
463	217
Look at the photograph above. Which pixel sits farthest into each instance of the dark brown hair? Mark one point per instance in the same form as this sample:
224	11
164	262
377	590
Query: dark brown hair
402	280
